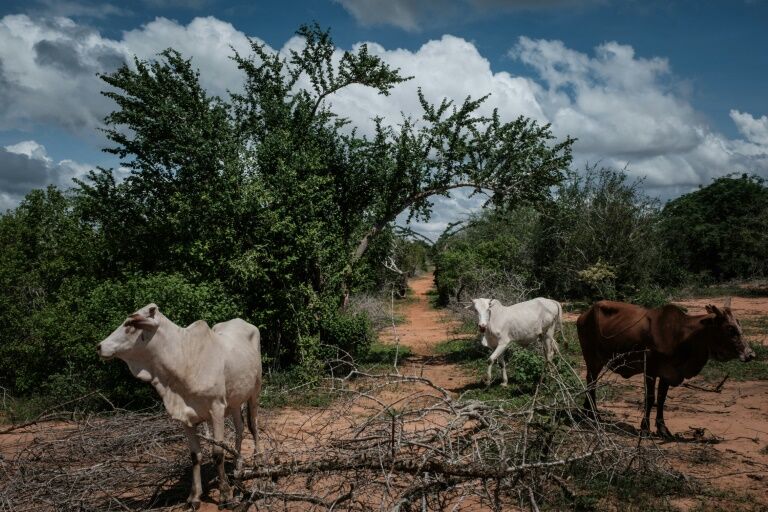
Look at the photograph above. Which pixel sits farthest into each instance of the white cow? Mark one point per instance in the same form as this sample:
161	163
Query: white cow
522	323
201	373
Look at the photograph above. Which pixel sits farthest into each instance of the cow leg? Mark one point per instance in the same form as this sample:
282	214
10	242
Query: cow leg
489	378
494	356
237	419
195	452
590	400
253	424
661	428
217	424
504	381
550	344
650	393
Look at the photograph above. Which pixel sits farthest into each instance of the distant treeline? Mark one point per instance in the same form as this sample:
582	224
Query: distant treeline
601	237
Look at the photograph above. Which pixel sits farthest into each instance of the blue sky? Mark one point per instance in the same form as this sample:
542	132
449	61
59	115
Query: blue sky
673	91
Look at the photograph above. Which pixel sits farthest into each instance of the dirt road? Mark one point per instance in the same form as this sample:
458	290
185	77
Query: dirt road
425	327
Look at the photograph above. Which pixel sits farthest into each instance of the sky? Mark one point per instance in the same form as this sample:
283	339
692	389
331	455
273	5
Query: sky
671	91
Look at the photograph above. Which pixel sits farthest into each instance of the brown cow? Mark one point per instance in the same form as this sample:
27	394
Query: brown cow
662	343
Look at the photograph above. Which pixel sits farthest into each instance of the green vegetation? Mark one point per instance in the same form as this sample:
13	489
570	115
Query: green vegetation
720	231
640	490
601	237
265	205
524	369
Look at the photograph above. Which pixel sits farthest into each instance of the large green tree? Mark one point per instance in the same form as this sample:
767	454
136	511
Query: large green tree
272	193
265	204
722	229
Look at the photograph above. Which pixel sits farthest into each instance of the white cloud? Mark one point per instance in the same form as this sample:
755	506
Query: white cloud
48	67
755	130
449	67
625	109
26	165
207	40
47	73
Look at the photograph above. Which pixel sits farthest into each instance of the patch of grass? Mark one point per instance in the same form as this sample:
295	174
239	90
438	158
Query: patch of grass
22	409
754	326
573	351
462	350
293	388
383	354
466	327
631	490
524	369
756	369
510	397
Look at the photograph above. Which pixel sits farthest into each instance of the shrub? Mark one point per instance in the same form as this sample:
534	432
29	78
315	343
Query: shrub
526	369
720	230
600	238
350	332
57	356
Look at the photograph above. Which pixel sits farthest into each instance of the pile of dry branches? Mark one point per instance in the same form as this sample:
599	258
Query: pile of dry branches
119	461
401	443
390	442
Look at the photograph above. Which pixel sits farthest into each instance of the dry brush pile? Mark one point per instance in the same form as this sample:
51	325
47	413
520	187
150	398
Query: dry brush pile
390	442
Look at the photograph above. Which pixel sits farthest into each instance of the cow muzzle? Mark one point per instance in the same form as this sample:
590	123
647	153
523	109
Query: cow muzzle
747	355
481	328
102	355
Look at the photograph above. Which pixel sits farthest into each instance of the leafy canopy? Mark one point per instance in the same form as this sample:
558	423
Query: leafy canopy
266	201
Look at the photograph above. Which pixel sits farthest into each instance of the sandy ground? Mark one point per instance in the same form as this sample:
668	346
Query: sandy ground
425	327
737	417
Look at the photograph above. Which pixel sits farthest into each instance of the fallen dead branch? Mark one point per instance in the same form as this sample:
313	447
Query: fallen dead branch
716	389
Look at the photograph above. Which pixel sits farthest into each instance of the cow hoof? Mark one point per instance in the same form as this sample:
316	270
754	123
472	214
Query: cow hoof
194	503
645	428
225	495
663	431
504	384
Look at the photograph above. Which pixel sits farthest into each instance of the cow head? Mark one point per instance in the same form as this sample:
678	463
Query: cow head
727	342
483	308
134	333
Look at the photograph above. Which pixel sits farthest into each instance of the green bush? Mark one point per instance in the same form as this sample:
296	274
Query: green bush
526	368
720	230
57	356
350	332
600	238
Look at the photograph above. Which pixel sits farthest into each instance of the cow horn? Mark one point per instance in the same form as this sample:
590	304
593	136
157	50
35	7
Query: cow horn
727	302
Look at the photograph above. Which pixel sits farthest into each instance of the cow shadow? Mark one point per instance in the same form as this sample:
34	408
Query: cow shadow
174	489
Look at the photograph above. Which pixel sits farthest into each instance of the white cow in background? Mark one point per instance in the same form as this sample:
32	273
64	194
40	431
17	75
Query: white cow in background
201	373
523	323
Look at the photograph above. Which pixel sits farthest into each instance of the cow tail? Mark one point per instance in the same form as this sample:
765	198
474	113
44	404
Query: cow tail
560	324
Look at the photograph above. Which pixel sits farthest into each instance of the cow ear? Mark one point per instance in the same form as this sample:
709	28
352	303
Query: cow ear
727	303
143	322
714	310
